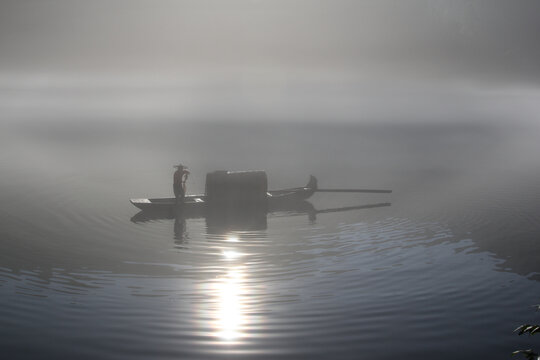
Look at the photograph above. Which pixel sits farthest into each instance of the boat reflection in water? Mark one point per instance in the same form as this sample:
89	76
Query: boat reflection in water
228	296
218	222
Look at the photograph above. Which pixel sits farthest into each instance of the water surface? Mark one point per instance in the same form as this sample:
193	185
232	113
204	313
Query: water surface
448	270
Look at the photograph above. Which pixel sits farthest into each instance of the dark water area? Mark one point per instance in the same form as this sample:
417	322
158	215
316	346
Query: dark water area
448	270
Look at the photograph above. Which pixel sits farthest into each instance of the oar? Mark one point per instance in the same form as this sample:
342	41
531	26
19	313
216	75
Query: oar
354	190
347	208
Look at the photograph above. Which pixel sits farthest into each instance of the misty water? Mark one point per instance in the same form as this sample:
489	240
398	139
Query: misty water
448	270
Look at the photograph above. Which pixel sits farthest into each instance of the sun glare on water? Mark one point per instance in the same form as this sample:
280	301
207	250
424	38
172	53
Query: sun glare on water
230	317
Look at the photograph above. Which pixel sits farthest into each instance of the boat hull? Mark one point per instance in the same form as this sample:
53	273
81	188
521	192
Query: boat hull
193	201
199	202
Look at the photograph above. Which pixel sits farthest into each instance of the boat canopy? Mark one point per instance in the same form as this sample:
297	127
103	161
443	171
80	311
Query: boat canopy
237	189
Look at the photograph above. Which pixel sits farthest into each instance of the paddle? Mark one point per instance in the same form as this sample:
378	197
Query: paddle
354	190
347	208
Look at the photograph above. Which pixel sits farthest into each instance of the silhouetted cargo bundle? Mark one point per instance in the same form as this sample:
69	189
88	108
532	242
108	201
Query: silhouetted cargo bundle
237	190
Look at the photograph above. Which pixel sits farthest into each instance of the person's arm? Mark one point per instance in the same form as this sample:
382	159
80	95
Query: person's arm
186	174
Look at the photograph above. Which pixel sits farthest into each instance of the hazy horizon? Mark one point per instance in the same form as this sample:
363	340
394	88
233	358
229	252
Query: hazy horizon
343	61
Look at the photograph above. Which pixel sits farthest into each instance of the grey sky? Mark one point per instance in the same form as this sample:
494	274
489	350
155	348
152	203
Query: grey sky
289	46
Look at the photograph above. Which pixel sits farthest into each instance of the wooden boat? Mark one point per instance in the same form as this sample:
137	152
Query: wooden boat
199	202
239	191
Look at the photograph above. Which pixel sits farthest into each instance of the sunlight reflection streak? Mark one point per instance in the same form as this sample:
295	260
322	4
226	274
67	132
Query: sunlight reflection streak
230	316
231	254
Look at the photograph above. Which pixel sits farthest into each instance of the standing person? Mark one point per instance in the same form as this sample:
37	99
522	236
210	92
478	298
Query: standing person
179	182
